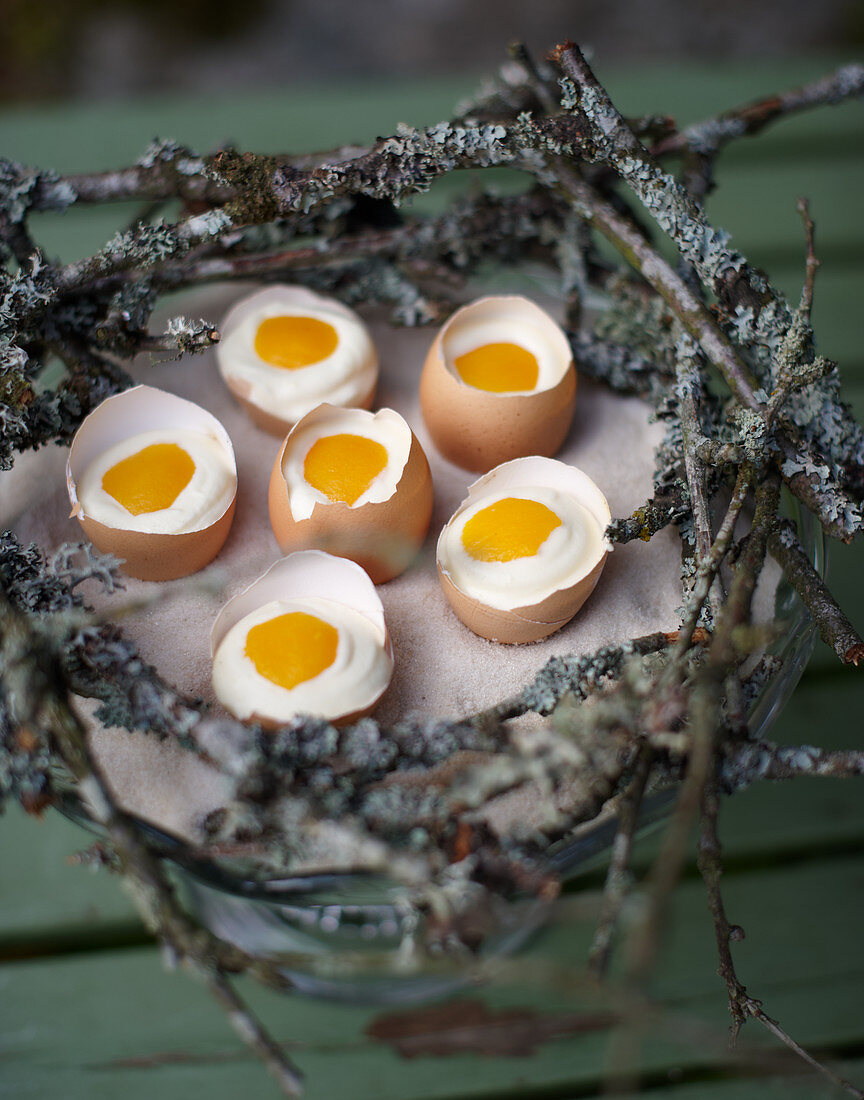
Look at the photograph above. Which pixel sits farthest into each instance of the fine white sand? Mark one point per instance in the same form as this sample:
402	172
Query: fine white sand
442	669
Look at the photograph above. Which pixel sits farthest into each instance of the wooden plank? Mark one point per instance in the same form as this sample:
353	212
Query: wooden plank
114	1024
46	902
801	1086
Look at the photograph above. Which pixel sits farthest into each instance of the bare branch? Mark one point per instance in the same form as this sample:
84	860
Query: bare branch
616	886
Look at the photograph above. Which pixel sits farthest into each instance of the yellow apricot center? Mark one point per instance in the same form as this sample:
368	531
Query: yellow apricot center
294	342
151	479
509	528
292	648
343	466
499	368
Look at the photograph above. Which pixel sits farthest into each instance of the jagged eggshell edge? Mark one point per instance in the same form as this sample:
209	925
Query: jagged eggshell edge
383	538
146	555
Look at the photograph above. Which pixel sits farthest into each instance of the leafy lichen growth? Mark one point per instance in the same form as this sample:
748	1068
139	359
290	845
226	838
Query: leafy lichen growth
421	801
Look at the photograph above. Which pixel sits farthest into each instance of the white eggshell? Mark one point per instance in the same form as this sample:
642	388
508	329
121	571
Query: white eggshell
148	555
276	398
304	574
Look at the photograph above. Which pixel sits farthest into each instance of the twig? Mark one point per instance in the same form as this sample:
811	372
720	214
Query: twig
539	86
812	265
253	1034
616	885
651	517
207	956
180	339
711	135
741	1005
712	561
723	271
834	628
807	486
689	392
745	764
725	651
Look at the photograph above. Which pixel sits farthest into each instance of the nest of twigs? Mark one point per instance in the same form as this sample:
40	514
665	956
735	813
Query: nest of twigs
727	364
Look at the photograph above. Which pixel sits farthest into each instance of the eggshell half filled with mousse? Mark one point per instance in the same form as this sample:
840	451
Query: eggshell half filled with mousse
524	550
498	383
308	636
152	479
285	349
353	483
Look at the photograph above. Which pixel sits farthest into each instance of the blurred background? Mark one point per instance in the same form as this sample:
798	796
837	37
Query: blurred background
93	49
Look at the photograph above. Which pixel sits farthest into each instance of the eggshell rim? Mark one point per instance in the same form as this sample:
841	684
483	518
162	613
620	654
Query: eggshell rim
105	417
526	422
560	475
262	417
565	353
278	291
322	412
362	525
289	578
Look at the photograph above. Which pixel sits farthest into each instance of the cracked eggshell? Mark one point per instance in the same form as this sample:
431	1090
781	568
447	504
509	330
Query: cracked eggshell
382	537
477	429
146	555
245	373
298	576
531	622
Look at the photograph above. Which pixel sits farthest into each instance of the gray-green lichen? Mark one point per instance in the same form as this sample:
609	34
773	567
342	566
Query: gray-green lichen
417	791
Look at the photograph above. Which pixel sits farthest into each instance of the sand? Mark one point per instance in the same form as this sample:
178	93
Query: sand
442	669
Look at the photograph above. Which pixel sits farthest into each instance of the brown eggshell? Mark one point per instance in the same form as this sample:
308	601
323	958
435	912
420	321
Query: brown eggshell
146	555
299	575
276	425
521	625
157	557
382	537
477	429
271	724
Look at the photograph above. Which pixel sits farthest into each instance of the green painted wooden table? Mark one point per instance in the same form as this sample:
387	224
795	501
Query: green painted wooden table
86	1009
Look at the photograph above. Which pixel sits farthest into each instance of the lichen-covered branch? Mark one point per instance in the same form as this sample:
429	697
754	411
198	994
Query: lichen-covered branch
742	1005
834	626
617	884
745	295
417	801
703	141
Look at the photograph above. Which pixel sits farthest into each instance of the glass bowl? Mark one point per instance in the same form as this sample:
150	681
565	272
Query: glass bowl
357	937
